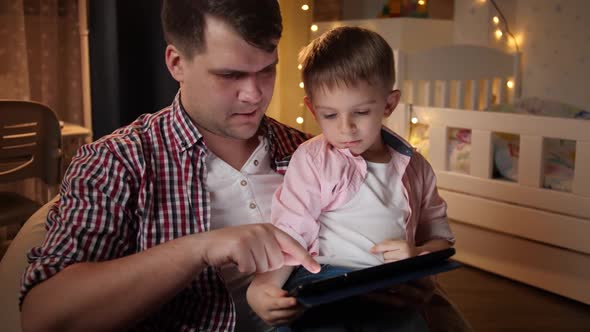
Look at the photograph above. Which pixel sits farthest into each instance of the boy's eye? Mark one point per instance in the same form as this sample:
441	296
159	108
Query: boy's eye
362	112
329	116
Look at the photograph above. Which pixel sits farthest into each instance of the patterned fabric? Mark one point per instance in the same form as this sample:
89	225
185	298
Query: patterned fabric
139	187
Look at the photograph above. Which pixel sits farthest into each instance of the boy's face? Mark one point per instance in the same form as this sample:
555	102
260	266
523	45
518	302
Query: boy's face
351	116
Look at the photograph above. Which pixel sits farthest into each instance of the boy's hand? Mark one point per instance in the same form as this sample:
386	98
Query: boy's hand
395	250
272	303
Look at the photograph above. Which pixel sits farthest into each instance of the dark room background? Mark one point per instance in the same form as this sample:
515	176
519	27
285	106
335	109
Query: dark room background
128	72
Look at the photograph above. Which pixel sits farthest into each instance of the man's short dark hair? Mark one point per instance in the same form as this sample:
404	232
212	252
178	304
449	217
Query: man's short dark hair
258	22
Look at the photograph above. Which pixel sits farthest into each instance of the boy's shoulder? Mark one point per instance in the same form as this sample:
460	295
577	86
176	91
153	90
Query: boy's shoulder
314	146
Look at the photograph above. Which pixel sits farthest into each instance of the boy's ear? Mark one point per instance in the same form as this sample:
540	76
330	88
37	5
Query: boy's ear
309	106
393	98
174	62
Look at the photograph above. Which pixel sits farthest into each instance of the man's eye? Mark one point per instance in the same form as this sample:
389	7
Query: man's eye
269	70
231	75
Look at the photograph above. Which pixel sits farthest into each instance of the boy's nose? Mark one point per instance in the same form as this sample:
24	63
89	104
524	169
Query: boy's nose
346	125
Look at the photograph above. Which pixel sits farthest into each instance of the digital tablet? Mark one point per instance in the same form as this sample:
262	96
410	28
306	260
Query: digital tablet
370	279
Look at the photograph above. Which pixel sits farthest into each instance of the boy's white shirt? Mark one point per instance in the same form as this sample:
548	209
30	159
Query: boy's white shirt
377	212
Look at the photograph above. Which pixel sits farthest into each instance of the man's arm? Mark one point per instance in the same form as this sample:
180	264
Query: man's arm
116	294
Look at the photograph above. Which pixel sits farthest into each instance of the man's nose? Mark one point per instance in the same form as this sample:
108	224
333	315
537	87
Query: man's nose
250	91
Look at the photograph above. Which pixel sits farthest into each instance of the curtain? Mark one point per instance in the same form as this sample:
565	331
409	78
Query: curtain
40	61
40	55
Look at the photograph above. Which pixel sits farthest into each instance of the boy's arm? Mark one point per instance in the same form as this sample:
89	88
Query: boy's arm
433	222
270	302
297	203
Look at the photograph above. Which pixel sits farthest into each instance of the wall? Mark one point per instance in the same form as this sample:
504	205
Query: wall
553	38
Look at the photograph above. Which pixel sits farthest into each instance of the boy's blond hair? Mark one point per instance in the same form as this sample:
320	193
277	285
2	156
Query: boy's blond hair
347	55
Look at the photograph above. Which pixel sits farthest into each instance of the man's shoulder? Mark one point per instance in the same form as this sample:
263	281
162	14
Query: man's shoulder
145	127
285	137
137	140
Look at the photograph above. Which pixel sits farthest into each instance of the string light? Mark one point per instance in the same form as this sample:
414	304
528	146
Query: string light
510	84
305	7
421	2
299	67
502	19
314	27
299	120
414	120
301	85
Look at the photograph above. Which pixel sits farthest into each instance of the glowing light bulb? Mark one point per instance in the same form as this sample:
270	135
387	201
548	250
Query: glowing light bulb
421	2
496	19
299	67
299	120
414	120
301	85
510	84
305	7
314	27
499	34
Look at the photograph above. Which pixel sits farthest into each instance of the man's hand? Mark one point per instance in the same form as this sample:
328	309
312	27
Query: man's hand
395	250
272	303
253	248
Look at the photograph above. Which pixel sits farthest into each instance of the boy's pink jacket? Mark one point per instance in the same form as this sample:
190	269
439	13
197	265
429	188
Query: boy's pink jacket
322	178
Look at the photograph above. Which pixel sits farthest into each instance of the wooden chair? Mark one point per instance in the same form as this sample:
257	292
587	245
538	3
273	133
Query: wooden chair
30	147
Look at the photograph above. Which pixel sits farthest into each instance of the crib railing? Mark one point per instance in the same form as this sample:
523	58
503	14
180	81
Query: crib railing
531	129
458	76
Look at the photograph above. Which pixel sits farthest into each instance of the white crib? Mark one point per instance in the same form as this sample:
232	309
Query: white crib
516	229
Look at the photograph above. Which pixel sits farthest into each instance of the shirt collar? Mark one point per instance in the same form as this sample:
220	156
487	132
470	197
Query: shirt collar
396	142
184	130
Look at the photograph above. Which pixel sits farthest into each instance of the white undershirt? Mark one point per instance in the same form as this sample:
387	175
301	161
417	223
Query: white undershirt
377	212
239	198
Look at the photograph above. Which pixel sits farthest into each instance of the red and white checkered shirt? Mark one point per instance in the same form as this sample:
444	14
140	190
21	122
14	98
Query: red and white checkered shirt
139	187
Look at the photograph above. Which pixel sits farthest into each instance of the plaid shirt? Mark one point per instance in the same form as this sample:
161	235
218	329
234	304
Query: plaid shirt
139	187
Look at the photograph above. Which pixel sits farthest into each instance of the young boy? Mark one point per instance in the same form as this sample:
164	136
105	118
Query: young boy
357	195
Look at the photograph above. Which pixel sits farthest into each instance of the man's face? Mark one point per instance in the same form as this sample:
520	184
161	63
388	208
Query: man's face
227	88
351	116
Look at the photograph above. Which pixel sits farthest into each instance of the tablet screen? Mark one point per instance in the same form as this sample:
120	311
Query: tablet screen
402	270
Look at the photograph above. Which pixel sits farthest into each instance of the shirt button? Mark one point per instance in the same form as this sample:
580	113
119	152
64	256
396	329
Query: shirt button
243	182
256	163
252	205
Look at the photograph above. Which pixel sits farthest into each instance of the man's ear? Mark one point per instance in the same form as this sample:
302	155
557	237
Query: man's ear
309	106
393	98
174	62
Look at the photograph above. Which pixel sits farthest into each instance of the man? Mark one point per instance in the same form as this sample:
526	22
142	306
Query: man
140	228
159	224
